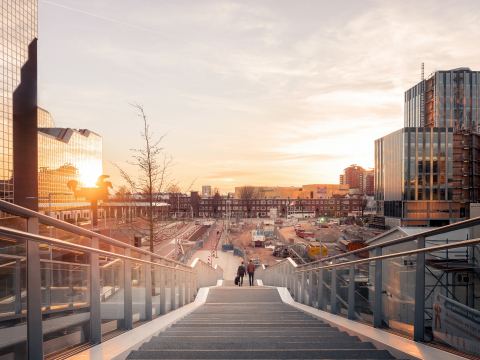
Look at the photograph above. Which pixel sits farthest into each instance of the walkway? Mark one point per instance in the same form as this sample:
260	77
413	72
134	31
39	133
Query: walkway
253	323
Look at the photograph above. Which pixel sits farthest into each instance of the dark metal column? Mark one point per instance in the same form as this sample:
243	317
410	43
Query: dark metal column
34	295
181	289
163	298
351	289
419	322
148	290
310	287
320	289
333	290
377	308
95	315
172	290
127	305
17	281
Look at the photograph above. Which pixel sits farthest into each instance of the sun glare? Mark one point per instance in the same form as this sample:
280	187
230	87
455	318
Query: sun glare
89	174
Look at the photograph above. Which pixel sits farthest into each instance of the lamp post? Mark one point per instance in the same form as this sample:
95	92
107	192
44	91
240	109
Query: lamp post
49	198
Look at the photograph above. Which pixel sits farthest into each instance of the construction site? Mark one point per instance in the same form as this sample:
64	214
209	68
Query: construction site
267	242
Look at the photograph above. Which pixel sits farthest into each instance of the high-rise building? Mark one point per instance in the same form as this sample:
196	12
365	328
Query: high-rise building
359	180
18	115
65	154
447	99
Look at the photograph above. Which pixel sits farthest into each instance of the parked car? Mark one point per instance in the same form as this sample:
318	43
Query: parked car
197	222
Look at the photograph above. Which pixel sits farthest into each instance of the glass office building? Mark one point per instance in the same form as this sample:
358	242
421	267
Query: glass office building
427	176
18	103
449	99
65	154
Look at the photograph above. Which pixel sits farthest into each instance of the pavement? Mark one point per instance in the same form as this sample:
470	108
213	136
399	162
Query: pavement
226	260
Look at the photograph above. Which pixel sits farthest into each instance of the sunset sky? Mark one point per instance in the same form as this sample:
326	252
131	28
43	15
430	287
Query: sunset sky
277	93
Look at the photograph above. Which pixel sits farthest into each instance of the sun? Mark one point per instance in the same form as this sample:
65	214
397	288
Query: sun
89	174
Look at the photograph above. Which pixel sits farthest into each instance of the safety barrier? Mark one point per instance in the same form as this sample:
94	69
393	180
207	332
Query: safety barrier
433	273
81	287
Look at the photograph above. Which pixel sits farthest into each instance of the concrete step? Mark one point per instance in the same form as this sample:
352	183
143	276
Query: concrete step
256	332
251	321
250	344
250	316
252	325
319	338
261	354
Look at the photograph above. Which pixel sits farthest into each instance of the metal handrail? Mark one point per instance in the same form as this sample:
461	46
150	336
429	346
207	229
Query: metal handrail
20	235
60	224
447	228
405	253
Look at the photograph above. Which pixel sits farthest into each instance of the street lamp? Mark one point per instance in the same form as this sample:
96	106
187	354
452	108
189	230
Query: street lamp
49	198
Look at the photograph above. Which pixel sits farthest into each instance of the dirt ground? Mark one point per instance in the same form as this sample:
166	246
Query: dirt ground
242	236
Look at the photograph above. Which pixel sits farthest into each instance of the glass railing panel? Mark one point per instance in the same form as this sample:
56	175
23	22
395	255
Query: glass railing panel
364	291
112	294
398	293
111	248
342	290
65	285
71	237
138	291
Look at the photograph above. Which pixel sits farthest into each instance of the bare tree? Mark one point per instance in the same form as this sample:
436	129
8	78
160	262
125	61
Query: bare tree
215	191
150	179
363	202
248	193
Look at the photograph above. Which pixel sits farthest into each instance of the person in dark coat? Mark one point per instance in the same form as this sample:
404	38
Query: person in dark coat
250	271
241	273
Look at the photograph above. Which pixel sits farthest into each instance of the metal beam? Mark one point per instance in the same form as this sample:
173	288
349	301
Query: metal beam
419	321
34	295
95	313
333	288
148	291
320	290
377	309
351	289
127	302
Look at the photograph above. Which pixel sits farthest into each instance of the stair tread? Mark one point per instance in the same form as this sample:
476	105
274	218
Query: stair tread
261	354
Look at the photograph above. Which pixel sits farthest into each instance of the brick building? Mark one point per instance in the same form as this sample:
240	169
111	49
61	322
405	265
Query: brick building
359	180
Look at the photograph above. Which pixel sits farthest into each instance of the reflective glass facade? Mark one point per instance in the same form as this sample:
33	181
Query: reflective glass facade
450	99
18	101
427	174
65	154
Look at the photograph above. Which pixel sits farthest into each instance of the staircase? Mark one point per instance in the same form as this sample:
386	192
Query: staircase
253	323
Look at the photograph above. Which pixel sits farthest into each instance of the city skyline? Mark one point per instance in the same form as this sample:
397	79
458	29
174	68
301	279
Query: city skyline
261	94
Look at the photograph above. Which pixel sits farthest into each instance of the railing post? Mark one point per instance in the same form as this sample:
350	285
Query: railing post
419	322
351	289
320	289
95	314
291	279
303	290
148	290
163	297
34	295
195	282
333	288
181	289
294	286
127	301
17	279
173	291
310	286
377	308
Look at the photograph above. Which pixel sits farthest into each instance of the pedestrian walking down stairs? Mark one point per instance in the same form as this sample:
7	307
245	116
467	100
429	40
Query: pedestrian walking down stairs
253	323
